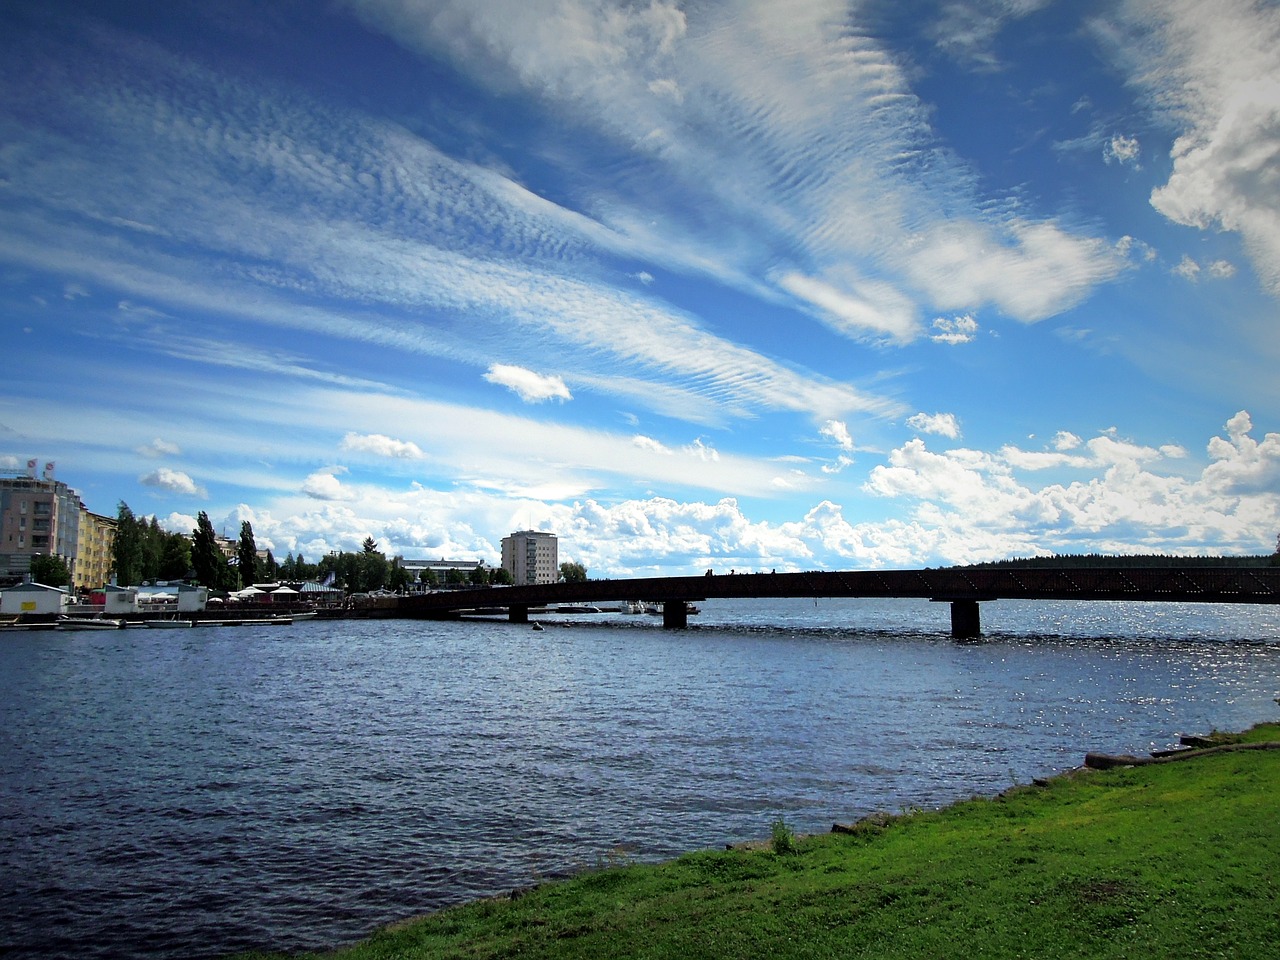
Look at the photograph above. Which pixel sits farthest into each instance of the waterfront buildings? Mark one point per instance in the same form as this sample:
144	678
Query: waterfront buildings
42	516
531	556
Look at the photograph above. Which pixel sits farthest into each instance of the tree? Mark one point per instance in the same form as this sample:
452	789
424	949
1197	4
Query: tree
175	560
501	576
479	577
210	566
50	570
247	555
127	550
573	572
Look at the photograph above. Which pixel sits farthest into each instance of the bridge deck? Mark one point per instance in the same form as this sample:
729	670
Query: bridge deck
963	588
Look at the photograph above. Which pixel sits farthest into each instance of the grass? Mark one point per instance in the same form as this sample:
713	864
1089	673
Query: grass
1175	860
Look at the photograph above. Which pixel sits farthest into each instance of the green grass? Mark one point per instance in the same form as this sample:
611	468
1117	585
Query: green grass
1175	860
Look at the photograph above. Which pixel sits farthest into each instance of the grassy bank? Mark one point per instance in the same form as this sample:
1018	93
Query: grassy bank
1174	860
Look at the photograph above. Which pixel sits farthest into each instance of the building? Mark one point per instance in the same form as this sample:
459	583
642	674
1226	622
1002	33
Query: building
531	556
95	554
32	598
39	516
419	570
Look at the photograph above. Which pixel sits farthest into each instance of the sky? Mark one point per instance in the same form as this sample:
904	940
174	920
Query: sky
730	284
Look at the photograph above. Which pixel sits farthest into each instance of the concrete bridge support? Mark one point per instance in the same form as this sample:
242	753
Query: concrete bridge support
675	615
518	614
966	622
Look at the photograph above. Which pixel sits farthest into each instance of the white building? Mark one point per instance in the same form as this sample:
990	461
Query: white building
32	598
531	556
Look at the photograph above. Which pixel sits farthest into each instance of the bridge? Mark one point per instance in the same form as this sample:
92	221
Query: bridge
962	587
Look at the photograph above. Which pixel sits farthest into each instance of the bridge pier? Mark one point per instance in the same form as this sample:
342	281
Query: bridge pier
966	622
675	615
518	613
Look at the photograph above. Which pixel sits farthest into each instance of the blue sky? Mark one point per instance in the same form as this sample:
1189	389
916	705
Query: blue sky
733	283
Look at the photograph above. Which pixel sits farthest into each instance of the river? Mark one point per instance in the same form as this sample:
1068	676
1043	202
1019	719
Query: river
194	793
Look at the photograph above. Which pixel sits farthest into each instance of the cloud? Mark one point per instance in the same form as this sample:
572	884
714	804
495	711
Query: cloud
160	448
325	485
943	424
954	330
650	444
838	431
382	446
857	307
1121	149
1189	269
1214	70
172	481
529	386
702	451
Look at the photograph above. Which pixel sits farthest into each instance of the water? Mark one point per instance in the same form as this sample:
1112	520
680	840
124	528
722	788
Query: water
194	793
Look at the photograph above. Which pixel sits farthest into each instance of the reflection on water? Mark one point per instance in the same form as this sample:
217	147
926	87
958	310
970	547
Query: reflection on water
295	787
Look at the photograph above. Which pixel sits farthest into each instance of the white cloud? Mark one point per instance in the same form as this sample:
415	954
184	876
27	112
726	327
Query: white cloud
325	485
382	446
1222	270
943	424
172	481
702	451
838	431
650	444
160	448
954	330
529	386
1187	268
1214	70
857	307
1122	149
1066	440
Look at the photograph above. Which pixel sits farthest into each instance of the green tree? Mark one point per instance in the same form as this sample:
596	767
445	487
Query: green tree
50	570
501	576
398	578
175	559
247	555
573	572
210	565
271	568
478	577
127	550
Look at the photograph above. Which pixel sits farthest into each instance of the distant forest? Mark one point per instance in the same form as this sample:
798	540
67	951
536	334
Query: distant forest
1095	560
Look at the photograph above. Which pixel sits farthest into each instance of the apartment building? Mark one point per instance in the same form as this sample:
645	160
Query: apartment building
531	556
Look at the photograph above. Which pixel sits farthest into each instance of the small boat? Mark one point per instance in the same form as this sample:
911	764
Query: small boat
538	626
88	623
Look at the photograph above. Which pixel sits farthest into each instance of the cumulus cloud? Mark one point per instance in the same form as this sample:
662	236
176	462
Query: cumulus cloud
838	432
1121	149
702	451
529	386
1187	268
1126	500
172	481
382	446
943	424
954	330
160	448
1214	69
325	485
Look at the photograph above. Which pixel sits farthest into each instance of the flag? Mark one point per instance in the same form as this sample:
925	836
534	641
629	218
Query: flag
31	469
48	470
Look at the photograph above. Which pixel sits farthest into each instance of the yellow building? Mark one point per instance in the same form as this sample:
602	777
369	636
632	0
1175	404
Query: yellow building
95	559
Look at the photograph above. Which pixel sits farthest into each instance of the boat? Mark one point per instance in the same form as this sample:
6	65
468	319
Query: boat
632	606
88	623
168	624
538	626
